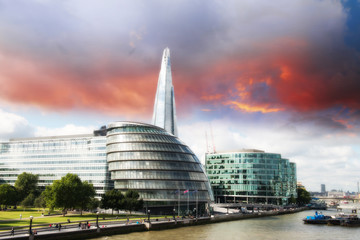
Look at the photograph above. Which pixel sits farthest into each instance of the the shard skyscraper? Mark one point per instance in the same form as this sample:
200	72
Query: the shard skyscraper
164	115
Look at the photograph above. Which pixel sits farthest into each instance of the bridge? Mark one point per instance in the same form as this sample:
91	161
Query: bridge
337	199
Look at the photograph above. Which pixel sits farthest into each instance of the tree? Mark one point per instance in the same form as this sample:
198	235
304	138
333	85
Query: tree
40	202
28	201
303	196
49	197
8	195
132	201
113	199
292	200
93	204
69	192
26	183
87	192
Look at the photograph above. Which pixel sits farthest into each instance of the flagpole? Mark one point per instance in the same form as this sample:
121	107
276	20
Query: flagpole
197	209
179	203
188	192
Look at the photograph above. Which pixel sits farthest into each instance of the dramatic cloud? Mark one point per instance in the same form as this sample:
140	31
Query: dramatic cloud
66	56
282	75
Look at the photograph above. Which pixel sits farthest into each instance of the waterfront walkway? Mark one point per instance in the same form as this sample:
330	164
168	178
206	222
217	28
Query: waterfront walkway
72	230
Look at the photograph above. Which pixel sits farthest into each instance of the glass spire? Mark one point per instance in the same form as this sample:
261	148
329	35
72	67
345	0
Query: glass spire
164	115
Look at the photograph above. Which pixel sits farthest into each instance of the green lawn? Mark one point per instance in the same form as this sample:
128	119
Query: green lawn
11	218
25	213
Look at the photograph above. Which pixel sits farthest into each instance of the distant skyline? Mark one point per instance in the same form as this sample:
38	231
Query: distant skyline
279	76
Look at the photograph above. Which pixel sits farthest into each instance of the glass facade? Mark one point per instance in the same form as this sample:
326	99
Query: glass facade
164	114
251	176
157	164
53	157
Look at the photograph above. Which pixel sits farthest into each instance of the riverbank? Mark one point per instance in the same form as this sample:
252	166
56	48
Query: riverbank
107	229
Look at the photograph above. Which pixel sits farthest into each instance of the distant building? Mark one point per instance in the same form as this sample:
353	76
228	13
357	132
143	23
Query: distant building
251	176
336	194
323	190
300	185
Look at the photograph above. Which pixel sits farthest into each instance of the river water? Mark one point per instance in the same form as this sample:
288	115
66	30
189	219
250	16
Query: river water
288	226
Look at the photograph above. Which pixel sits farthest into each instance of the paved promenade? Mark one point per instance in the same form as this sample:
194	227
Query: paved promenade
106	228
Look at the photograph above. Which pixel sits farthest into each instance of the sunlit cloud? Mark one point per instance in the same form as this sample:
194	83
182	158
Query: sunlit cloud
249	108
207	110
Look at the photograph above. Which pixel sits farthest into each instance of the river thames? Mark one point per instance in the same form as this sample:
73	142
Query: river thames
288	226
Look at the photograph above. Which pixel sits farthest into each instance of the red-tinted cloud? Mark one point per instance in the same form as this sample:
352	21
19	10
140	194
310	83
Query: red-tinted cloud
290	74
264	59
59	88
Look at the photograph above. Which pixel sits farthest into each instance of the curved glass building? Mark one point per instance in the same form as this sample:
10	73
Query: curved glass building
164	171
251	176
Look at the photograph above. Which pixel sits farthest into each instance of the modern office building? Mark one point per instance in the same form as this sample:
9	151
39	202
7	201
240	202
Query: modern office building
251	176
53	157
148	158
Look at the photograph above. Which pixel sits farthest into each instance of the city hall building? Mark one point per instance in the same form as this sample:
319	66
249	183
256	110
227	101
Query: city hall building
149	158
251	176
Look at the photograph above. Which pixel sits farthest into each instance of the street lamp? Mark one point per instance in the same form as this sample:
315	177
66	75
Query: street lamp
97	219
149	215
174	213
31	218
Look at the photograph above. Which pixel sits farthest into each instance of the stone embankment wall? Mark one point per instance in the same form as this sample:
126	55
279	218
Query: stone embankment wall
154	225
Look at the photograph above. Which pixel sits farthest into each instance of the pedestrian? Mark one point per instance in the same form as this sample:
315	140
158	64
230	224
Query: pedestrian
12	231
89	226
20	216
59	226
79	225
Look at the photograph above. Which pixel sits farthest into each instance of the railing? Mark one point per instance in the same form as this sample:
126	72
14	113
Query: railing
41	228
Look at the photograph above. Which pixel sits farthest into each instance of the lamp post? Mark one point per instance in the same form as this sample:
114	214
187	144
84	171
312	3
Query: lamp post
30	231
97	219
174	213
149	215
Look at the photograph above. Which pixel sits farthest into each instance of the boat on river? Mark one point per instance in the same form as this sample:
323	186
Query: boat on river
352	221
339	219
317	219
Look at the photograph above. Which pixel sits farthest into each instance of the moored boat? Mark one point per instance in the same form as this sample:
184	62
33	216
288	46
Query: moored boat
317	219
338	219
352	221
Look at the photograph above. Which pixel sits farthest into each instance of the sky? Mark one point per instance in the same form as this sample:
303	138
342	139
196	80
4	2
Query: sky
280	76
